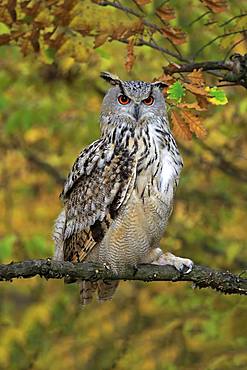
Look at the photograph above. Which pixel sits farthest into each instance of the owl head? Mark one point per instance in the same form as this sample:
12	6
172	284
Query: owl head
132	101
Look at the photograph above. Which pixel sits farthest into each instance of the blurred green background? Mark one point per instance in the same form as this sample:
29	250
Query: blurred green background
48	113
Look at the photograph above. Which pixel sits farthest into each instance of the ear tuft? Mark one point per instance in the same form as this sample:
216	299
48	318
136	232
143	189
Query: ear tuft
111	78
160	84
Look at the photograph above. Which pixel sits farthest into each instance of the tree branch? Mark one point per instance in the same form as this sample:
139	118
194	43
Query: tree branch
236	68
204	66
148	24
201	276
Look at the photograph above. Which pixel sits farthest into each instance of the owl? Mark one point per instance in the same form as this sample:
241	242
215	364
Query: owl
119	194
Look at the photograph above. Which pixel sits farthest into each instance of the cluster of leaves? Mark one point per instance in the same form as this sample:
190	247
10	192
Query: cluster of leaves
184	115
71	33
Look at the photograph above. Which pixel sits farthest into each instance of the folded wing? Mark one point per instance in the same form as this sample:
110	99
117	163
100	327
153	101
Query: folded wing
99	184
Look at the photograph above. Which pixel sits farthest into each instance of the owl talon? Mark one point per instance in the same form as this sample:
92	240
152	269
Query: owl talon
183	265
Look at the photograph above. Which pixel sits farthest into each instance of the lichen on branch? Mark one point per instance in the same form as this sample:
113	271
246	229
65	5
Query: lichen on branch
200	276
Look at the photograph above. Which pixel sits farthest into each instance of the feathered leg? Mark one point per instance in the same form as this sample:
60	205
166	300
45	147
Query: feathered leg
87	289
106	289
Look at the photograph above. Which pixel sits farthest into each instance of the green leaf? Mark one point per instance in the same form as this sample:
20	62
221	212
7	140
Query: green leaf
37	246
50	54
102	53
4	28
6	247
176	91
217	96
21	121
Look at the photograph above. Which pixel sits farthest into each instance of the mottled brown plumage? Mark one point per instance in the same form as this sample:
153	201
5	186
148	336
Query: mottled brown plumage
119	194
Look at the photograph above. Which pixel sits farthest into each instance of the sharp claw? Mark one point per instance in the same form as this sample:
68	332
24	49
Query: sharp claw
189	269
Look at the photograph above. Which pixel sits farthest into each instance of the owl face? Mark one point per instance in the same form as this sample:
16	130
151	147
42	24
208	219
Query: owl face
134	101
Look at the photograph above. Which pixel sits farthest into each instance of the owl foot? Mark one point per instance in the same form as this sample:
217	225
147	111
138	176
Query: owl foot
183	265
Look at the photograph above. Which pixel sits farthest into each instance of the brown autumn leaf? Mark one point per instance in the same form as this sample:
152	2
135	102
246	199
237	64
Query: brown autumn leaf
196	77
202	101
25	46
143	2
195	124
216	6
168	79
124	32
179	128
130	59
174	34
198	90
31	8
5	38
166	13
194	105
100	39
54	39
5	16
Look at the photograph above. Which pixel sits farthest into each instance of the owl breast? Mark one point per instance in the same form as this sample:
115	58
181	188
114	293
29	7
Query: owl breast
140	225
159	165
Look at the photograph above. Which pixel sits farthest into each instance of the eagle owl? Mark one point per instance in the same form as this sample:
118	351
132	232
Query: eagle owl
119	194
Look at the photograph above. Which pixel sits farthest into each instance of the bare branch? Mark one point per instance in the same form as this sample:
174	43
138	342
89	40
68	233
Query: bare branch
45	166
216	38
219	161
34	159
153	45
204	66
199	18
236	68
232	19
201	276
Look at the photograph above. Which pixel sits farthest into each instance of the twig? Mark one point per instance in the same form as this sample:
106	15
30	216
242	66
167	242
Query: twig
204	66
219	161
153	26
45	166
214	39
201	276
198	18
233	46
232	19
141	42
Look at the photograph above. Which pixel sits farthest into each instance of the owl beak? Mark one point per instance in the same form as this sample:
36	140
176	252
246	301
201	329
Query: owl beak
136	111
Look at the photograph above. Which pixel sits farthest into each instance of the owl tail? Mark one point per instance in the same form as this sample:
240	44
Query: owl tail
105	290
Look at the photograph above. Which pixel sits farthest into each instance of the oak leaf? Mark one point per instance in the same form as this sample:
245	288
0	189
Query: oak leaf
143	2
194	105
130	59
196	77
216	6
195	124
216	96
202	101
176	35
166	13
197	90
100	39
179	128
176	91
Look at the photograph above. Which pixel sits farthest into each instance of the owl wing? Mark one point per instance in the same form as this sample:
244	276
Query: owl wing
100	182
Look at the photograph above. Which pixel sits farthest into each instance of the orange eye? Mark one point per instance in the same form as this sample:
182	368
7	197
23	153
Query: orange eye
123	99
149	100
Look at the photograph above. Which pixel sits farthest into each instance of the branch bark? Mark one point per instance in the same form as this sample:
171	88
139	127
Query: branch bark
236	68
200	276
204	66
